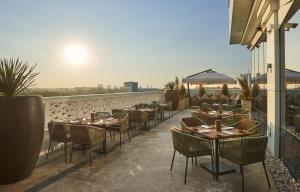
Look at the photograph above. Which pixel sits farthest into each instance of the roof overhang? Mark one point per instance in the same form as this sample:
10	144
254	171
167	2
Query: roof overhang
239	11
248	19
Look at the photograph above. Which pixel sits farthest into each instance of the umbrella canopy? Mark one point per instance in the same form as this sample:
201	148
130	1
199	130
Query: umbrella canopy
291	77
208	77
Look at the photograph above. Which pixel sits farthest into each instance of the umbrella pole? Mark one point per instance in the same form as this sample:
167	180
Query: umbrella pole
188	86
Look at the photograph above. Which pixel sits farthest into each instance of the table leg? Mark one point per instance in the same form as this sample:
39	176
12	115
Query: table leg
104	144
217	157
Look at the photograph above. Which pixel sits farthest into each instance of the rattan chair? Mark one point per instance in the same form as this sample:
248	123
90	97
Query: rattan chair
153	115
58	132
117	111
102	115
86	135
245	151
190	122
208	107
169	108
124	125
139	117
240	111
189	146
234	119
161	111
249	125
204	117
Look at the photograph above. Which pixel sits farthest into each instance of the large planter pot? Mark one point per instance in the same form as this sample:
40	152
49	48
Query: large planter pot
172	95
183	104
21	136
247	104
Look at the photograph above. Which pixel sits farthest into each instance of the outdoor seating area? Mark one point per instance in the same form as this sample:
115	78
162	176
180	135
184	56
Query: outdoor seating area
230	134
145	162
101	127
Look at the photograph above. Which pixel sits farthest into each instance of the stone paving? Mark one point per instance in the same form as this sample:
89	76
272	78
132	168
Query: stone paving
140	165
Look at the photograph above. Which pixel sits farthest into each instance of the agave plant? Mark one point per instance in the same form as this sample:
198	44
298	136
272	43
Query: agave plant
225	89
201	90
245	89
16	76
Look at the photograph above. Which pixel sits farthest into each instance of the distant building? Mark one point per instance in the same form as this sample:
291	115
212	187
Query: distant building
131	86
100	86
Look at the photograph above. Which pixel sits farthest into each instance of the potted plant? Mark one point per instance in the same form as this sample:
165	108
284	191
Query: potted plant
246	98
171	92
201	90
21	119
183	98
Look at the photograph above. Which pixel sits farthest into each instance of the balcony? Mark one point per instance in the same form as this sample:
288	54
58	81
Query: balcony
141	164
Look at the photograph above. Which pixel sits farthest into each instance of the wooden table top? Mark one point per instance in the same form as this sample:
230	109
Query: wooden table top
216	113
211	133
97	122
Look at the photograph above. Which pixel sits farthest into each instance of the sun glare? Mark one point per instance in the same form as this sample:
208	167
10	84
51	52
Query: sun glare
75	54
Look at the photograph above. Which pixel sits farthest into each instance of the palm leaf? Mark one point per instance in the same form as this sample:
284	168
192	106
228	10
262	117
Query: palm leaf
16	76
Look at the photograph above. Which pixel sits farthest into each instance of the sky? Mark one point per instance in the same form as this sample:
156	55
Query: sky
148	41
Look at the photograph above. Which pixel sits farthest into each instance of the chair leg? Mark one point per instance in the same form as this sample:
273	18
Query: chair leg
65	150
111	135
266	174
71	153
128	134
213	166
192	160
120	138
196	161
242	173
90	155
173	160
186	166
48	151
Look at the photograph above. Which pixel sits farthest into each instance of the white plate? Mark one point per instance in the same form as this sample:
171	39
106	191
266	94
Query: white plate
228	132
205	126
204	131
227	128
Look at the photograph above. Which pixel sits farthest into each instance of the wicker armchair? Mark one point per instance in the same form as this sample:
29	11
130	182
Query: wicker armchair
139	117
118	111
245	151
58	132
240	111
204	117
234	119
153	115
102	115
124	125
249	125
86	135
190	122
169	108
207	107
189	146
161	111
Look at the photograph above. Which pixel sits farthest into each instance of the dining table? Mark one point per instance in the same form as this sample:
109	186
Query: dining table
209	132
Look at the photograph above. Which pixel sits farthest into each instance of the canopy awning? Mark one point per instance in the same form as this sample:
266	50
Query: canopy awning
209	77
291	77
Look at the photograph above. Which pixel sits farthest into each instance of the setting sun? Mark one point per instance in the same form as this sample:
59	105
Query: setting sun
75	54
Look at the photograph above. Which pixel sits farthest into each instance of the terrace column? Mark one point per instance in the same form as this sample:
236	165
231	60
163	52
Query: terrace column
275	80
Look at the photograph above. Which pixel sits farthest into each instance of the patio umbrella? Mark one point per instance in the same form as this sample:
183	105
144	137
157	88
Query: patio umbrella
291	77
208	77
